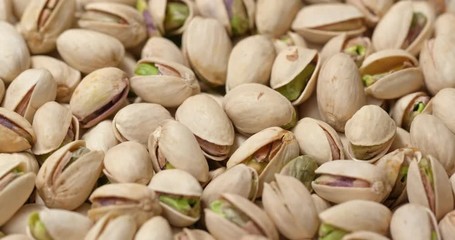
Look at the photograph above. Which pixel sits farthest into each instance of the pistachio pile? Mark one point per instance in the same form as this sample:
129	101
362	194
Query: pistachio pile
227	119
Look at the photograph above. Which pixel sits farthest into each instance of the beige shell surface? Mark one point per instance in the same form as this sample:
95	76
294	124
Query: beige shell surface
111	226
163	48
403	105
373	10
155	228
17	224
157	8
100	137
176	182
275	17
6	12
11	141
193	234
364	235
443	24
447	226
27	160
412	221
441	107
13	59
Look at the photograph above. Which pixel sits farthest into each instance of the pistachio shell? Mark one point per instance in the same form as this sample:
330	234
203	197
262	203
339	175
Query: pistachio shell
158	10
27	160
162	48
320	203
112	227
2	90
17	224
310	108
100	137
373	10
364	235
447	226
441	107
402	140
155	228
19	7
406	108
17	133
443	24
288	39
275	17
128	64
341	43
414	221
14	54
16	237
193	234
6	11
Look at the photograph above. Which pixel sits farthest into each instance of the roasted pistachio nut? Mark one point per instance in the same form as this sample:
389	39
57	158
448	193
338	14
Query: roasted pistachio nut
6	11
320	203
94	50
428	185
402	140
99	95
208	56
301	168
14	54
112	226
54	126
320	22
345	180
117	20
352	216
358	48
128	64
233	217
373	10
267	152
364	235
291	208
370	132
447	225
287	40
163	82
339	100
137	121
443	24
155	228
193	234
275	17
210	125
318	140
100	137
249	102
67	177
172	17
250	61
66	77
240	179
133	199
27	160
236	16
412	221
57	224
16	185
408	107
128	162
405	26
162	145
43	21
441	145
16	132
440	107
29	91
163	48
17	224
390	74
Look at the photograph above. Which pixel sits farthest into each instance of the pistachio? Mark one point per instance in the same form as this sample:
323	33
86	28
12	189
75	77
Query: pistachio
17	224
364	235
100	137
275	17
172	17
443	24
13	59
301	168
372	9
193	234
358	48
287	40
162	48
155	228
414	221
17	133
6	11
112	226
440	106
408	107
446	226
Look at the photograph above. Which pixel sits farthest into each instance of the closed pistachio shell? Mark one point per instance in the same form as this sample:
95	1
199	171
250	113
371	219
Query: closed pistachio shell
163	48
440	105
44	21
364	235
112	227
29	91
358	48
193	234
14	54
275	17
443	24
250	61
339	91
17	224
100	137
408	107
405	26
94	50
155	228
160	13
17	133
414	221
287	40
447	226
373	10
249	102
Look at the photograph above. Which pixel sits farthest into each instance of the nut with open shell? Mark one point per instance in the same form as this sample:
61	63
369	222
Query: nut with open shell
358	48
17	224
163	48
408	107
441	107
373	10
288	39
155	228
17	133
112	226
412	221
301	168
447	225
172	17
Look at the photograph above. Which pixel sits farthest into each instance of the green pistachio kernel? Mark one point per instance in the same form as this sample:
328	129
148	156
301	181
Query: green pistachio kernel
328	232
176	15
141	5
366	152
146	69
403	173
418	108
37	227
168	165
294	89
434	235
425	168
239	20
356	50
302	168
225	210
183	205
256	165
368	80
293	121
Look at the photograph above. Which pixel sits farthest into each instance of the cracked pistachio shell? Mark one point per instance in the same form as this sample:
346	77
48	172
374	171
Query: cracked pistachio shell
59	224
175	182
29	91
287	40
193	234
137	121
275	17
396	83
291	208
27	160
87	50
43	21
209	123
412	221
441	145
289	66
155	228
447	226
372	131
158	10
163	48
339	91
249	102
128	162
224	229
320	22
279	147
100	137
66	77
16	187
250	61
407	107
14	54
207	56
342	43
113	227
364	235
6	11
162	145
373	10
356	215
240	180
133	199
437	57
120	21
99	95
393	29
17	224
444	25
67	177
441	107
319	140
428	185
170	87
363	181
54	126
223	12
17	133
